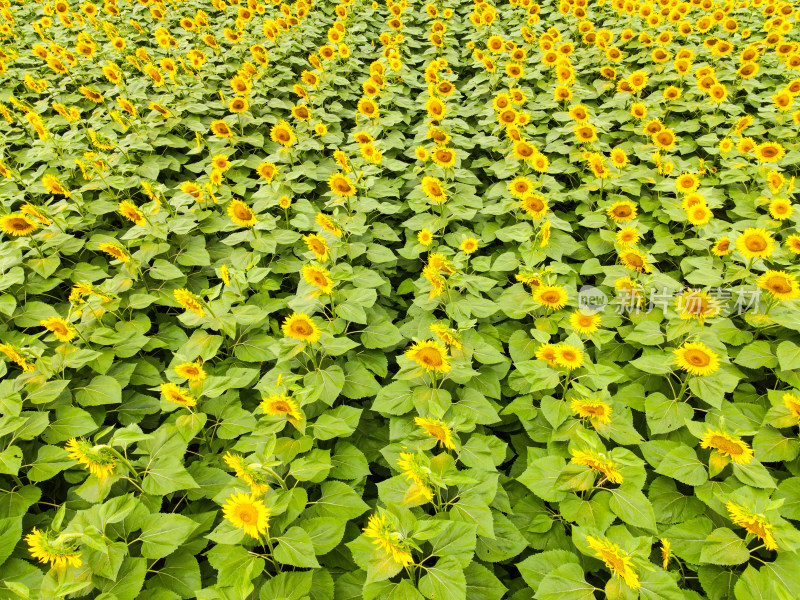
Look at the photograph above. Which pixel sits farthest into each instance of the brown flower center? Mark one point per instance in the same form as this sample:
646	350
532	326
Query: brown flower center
430	356
697	358
726	445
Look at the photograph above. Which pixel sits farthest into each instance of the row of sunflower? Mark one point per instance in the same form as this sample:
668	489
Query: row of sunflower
293	299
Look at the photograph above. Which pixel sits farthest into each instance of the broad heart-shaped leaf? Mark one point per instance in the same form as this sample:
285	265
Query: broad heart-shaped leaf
656	584
534	568
754	585
788	355
633	507
162	534
565	582
389	590
456	541
444	581
100	390
296	548
325	533
167	475
682	464
10	534
340	501
724	547
507	541
665	415
482	584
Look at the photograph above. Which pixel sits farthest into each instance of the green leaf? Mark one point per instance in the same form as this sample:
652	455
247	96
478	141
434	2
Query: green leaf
444	581
566	582
724	547
162	534
100	390
632	507
296	548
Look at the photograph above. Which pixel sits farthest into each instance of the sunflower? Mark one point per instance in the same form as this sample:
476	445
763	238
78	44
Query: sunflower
619	158
780	209
444	157
341	185
429	355
433	189
769	152
417	473
386	538
115	251
421	153
755	243
369	108
318	277
596	410
586	133
238	105
780	285
279	405
54	186
425	237
17	224
178	395
328	225
241	214
727	446
247	513
755	524
686	183
635	260
722	247
437	429
694	304
189	301
193	372
317	244
547	353
696	359
32	211
267	171
221	129
519	187
534	205
469	245
251	476
793	243
128	210
597	462
60	551
301	327
60	328
619	561
699	215
551	296
98	460
282	133
568	356
627	236
583	323
522	150
622	211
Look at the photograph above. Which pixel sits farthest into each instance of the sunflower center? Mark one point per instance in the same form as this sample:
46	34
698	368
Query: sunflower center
726	445
302	328
622	211
593	410
755	243
430	356
243	213
19	224
568	355
551	297
535	204
778	284
634	260
248	514
696	357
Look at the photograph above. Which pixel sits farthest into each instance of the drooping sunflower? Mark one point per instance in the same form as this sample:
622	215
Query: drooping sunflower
254	479
551	296
17	224
98	460
615	559
341	185
283	405
696	359
755	524
319	277
128	210
115	251
193	372
755	243
727	446
328	225
241	214
178	395
247	513
189	301
60	328
386	538
780	284
597	462
429	355
437	429
55	187
585	323
47	547
301	327
446	335
595	410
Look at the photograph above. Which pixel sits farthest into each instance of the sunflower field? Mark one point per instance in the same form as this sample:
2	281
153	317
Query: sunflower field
451	300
